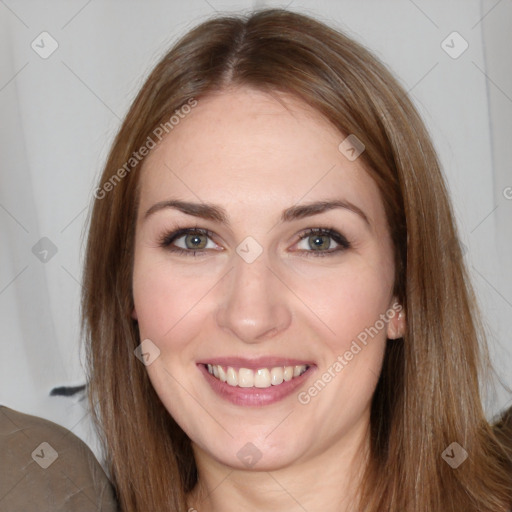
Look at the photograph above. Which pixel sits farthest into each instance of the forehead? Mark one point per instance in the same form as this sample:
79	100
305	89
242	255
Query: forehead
251	148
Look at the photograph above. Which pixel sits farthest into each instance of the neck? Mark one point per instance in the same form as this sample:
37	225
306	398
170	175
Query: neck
327	481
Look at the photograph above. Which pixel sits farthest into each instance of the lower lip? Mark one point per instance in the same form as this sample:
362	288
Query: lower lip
254	396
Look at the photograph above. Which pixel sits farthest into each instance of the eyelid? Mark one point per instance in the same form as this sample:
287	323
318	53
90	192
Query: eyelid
332	233
168	238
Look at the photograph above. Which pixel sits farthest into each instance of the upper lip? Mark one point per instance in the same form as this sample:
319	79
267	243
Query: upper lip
254	364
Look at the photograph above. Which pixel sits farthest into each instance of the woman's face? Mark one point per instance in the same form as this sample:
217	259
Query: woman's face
292	321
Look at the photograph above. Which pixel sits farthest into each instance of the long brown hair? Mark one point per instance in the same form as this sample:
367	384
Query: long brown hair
428	395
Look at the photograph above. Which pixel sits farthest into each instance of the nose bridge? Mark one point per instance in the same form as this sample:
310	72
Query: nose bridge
253	305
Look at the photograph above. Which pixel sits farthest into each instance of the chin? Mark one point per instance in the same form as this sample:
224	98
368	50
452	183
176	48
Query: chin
256	453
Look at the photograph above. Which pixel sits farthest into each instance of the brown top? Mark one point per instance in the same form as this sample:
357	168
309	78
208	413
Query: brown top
45	467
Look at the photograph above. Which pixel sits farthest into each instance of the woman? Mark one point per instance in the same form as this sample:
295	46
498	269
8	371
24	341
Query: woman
277	311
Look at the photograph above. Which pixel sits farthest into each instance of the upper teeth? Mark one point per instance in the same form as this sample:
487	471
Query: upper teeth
260	378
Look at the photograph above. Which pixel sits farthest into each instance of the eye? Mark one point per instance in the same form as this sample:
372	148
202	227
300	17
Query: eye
195	241
321	240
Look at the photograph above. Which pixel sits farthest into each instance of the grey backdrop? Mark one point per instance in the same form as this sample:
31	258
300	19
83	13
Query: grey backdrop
63	93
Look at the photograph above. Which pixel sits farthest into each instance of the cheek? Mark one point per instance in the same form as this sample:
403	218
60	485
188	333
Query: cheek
168	313
341	302
349	301
351	346
162	297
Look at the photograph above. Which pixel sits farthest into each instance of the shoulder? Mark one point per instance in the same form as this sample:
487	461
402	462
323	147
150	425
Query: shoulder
44	466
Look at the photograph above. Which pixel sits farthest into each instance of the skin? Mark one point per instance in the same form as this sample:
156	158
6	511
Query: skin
256	154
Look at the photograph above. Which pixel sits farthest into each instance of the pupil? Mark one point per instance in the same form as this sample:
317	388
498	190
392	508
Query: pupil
195	240
316	239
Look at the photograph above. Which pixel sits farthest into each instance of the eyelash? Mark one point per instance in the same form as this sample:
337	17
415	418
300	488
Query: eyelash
167	239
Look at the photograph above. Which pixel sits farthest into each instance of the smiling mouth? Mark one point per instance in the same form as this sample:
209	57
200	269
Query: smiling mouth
259	378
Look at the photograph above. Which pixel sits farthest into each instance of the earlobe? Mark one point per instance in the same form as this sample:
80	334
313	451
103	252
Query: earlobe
396	324
134	313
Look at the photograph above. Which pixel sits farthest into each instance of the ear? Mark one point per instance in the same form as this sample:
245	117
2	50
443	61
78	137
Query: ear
396	323
134	313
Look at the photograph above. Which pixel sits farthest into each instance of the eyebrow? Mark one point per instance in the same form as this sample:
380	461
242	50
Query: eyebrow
217	213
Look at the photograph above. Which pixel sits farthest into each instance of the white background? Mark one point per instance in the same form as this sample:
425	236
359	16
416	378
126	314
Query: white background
59	116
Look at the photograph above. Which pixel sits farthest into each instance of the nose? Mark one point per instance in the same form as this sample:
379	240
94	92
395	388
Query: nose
254	306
